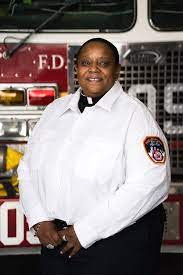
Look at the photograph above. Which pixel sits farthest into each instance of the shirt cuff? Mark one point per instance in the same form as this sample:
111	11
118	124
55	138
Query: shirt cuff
37	215
86	234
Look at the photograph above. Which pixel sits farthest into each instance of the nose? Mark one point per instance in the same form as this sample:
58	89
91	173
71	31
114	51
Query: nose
94	67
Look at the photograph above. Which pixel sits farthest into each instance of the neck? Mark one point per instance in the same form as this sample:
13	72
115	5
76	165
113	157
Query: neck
89	99
92	96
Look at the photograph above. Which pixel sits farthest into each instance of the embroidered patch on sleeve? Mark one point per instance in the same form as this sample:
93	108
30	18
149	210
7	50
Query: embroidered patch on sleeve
155	149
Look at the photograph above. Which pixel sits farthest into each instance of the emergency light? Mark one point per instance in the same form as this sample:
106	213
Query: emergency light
40	96
12	97
27	95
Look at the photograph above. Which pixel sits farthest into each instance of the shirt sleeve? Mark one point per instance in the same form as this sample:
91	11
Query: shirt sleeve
28	179
146	182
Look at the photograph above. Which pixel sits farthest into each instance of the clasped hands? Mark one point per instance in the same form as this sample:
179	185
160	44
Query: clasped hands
48	234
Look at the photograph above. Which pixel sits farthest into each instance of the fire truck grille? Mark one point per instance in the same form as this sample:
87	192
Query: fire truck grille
154	74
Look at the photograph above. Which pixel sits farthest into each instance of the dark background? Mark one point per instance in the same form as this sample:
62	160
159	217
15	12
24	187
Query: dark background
171	264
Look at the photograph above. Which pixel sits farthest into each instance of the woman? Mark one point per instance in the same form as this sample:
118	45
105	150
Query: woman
98	161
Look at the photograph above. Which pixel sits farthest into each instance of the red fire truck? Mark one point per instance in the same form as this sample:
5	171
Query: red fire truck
38	43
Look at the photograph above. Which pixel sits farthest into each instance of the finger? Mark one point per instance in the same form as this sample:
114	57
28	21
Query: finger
55	238
66	248
61	233
45	240
62	237
73	252
53	242
52	238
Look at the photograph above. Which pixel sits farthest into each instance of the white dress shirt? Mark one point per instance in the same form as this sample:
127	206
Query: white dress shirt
91	169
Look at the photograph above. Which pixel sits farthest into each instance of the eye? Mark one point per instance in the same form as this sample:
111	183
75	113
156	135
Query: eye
84	63
104	63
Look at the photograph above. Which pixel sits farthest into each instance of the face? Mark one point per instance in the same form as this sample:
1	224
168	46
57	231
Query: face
96	69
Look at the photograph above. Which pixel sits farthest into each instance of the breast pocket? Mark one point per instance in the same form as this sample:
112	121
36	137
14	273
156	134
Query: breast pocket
96	158
40	147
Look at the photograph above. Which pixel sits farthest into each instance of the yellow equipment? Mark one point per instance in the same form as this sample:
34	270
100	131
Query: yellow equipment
9	160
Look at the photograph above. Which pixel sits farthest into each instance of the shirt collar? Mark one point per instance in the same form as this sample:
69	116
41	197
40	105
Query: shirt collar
105	102
71	103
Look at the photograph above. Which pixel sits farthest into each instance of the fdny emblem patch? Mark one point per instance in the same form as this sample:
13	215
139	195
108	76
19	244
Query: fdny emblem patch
155	149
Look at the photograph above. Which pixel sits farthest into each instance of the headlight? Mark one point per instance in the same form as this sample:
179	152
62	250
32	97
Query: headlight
12	97
13	128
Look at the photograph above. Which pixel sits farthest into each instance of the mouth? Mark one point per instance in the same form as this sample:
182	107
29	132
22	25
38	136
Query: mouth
94	79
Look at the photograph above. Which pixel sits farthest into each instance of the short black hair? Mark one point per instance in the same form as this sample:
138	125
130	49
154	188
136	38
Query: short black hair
104	41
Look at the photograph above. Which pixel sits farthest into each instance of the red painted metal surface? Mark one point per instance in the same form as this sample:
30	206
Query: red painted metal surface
39	63
12	223
17	233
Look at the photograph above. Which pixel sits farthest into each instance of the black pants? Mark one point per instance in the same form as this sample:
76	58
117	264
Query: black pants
133	251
